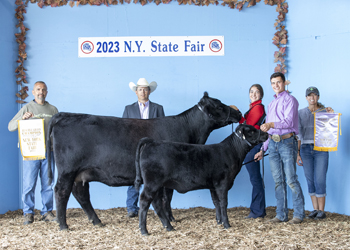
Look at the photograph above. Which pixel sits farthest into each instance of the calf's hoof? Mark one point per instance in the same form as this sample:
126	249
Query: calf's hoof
227	226
144	233
95	222
170	229
64	228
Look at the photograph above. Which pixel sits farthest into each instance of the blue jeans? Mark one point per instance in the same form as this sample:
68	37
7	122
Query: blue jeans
315	168
31	169
132	200
257	205
283	157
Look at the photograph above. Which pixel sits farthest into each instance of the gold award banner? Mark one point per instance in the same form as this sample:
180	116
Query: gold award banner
32	139
326	131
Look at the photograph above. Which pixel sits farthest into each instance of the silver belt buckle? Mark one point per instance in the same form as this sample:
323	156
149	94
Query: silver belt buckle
276	138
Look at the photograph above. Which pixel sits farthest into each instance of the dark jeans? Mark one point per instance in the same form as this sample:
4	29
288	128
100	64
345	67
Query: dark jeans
258	205
132	200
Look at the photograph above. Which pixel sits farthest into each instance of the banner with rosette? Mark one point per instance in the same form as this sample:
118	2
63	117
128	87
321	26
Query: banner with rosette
326	131
32	139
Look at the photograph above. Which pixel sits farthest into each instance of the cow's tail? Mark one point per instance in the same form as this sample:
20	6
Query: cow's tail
140	146
52	122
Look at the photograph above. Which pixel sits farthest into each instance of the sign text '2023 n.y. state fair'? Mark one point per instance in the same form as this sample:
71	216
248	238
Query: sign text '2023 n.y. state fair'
151	46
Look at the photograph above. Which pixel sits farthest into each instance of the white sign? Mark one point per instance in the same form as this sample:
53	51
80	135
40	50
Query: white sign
151	46
32	139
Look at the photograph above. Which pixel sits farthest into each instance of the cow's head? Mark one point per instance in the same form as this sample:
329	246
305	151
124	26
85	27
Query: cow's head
251	135
220	113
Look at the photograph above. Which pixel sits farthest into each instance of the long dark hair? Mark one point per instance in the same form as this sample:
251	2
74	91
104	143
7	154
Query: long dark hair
258	86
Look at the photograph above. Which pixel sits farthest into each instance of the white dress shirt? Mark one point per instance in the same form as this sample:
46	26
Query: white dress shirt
144	110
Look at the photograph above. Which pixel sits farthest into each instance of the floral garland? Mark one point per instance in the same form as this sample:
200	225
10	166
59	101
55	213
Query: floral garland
280	38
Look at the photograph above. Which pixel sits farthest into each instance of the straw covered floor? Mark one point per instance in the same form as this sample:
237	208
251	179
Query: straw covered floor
196	228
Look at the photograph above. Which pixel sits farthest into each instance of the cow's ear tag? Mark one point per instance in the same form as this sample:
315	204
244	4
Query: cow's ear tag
243	137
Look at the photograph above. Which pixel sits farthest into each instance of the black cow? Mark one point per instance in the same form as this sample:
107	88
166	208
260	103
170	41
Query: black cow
99	148
185	167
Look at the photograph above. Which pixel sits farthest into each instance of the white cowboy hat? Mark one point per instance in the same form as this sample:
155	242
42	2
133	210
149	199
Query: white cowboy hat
142	82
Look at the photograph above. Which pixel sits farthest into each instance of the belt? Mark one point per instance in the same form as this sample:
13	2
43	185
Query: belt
278	138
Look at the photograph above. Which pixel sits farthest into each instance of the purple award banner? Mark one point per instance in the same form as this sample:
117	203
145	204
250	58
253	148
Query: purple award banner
326	131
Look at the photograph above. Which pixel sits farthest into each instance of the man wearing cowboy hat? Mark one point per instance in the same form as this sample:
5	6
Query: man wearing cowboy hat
142	109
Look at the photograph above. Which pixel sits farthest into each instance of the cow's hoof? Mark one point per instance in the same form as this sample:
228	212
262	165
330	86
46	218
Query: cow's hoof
65	228
171	218
170	229
227	226
100	225
145	233
219	222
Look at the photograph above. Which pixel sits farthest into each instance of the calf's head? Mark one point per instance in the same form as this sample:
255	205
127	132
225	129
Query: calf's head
218	112
251	135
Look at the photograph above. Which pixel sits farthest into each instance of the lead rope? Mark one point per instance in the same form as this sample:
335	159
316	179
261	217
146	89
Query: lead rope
262	164
263	169
254	160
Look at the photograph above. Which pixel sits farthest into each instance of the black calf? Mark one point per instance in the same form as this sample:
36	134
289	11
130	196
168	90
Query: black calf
185	167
